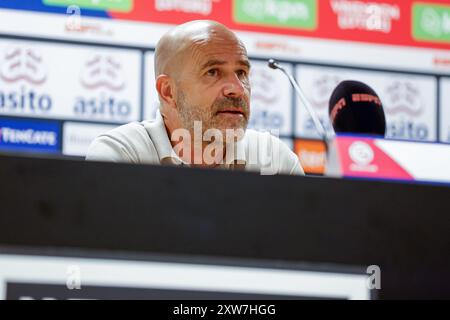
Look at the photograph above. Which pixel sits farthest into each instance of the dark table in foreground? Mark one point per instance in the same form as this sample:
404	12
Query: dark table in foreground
73	208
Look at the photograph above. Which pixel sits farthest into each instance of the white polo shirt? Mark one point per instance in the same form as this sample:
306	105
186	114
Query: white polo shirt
147	142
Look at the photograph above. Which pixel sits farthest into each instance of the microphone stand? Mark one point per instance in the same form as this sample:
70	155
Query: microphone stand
273	64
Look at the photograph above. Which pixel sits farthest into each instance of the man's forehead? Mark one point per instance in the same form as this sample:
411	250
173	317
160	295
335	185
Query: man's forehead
219	53
197	40
213	61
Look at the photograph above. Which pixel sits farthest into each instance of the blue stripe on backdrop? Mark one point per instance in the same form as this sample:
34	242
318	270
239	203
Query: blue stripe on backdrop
39	6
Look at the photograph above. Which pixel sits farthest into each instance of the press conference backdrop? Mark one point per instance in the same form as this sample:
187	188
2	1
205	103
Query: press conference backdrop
72	69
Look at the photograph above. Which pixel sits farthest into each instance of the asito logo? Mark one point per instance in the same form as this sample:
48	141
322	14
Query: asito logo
104	76
403	102
23	64
102	72
322	89
23	71
404	97
264	95
319	94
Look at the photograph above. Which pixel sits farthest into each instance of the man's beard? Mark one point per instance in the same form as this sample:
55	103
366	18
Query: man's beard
190	114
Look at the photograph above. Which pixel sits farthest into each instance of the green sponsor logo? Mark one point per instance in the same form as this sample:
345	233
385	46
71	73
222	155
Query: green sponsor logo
114	5
297	14
431	22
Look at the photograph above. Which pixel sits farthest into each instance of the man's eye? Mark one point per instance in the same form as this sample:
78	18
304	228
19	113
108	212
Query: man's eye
242	73
212	72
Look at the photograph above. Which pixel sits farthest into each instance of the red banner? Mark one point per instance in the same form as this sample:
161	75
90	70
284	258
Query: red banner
388	22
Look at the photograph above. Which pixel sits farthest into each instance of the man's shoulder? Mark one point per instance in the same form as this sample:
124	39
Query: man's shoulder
128	134
254	135
127	143
133	128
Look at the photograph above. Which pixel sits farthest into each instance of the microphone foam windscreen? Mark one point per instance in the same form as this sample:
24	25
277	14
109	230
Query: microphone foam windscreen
355	107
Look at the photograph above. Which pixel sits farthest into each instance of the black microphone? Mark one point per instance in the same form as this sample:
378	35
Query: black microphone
355	107
326	136
273	64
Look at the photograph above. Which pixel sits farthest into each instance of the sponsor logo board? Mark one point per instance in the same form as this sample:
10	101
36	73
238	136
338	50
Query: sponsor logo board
431	22
201	7
296	14
366	16
361	157
37	136
78	136
445	110
69	82
409	101
271	99
312	155
151	100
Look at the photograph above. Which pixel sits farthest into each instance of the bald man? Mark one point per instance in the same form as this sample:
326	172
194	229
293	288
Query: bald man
202	79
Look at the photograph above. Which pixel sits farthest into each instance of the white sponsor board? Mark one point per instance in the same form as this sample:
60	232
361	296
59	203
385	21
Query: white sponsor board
69	82
445	110
271	99
78	136
74	273
409	101
151	100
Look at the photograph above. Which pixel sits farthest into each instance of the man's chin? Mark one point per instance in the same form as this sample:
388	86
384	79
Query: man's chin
232	121
231	131
235	133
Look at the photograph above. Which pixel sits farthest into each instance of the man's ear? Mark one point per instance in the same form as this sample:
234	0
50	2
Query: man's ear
165	88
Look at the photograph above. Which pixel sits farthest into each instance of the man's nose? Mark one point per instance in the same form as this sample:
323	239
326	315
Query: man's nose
233	87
